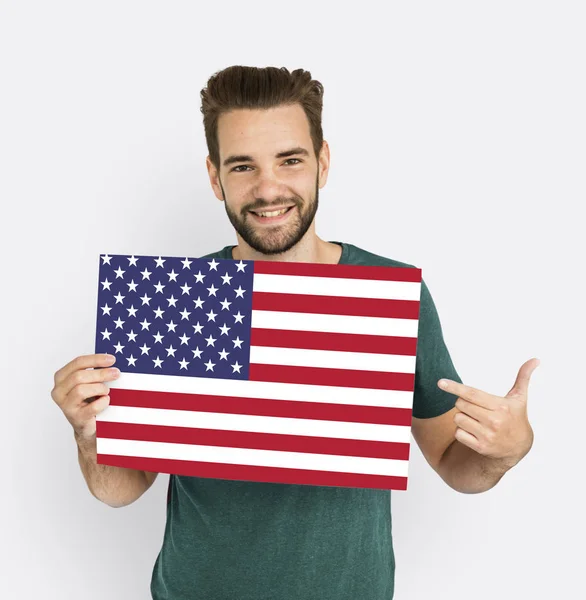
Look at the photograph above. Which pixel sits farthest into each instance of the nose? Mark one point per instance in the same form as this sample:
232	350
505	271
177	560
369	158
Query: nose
269	187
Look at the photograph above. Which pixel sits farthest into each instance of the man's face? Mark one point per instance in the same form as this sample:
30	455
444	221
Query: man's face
267	164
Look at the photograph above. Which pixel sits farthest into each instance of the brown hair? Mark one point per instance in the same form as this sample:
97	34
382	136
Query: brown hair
259	88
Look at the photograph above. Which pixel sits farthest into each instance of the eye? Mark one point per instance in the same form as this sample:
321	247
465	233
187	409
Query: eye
238	167
293	159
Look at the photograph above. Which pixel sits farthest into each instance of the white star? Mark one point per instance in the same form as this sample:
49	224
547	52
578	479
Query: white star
119	297
145	299
211	341
106	259
159	313
225	304
209	365
185	289
238	342
236	367
226	278
106	309
157	362
241	266
239	317
146	274
159	287
199	277
106	284
183	363
211	316
106	334
239	292
144	349
132	311
145	324
171	326
197	353
118	347
172	301
171	350
223	354
158	338
184	339
160	261
212	290
132	261
172	275
131	360
186	263
213	264
119	272
197	328
199	302
119	323
132	336
184	314
224	329
132	285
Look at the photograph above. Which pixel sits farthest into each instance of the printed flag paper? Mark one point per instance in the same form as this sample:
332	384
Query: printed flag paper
265	371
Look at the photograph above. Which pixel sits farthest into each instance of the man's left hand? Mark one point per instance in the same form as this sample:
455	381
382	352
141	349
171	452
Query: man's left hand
491	425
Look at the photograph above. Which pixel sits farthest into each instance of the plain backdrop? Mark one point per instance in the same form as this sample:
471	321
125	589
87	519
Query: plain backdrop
457	134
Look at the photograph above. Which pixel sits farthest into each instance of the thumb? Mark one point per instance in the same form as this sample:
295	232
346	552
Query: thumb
521	385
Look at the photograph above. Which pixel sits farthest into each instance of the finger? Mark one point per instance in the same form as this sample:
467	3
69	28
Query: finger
81	394
521	385
468	424
89	376
479	413
96	407
467	439
85	361
471	394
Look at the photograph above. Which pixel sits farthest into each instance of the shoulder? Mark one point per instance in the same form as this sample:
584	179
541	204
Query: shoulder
360	256
225	252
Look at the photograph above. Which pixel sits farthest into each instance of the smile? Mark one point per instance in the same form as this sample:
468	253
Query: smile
273	216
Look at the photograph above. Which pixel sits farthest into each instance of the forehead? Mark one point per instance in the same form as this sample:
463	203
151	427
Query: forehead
247	130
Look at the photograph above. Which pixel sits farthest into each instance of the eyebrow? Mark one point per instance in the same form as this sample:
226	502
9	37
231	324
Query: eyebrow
247	158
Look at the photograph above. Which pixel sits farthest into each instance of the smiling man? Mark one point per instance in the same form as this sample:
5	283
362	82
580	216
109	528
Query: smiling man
258	541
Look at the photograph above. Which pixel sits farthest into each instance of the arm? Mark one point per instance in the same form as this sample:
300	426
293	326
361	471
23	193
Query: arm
115	486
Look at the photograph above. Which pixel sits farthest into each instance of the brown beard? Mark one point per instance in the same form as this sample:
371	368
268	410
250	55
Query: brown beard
280	238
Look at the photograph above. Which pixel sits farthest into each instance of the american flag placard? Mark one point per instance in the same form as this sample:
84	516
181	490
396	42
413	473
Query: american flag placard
281	372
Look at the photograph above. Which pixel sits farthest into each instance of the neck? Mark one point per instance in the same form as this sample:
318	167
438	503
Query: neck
310	249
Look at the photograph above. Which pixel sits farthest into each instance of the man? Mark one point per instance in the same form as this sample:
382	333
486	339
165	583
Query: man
249	540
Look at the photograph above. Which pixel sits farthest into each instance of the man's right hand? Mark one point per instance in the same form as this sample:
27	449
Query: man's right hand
80	391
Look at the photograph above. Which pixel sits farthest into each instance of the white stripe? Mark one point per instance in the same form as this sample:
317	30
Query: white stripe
254	457
267	319
254	423
337	286
238	388
332	359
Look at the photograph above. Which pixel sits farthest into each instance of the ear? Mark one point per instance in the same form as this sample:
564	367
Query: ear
214	179
323	164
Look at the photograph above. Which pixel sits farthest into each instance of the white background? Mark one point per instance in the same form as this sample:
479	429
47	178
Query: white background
457	134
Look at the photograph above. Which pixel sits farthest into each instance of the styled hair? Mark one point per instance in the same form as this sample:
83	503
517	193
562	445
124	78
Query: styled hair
238	87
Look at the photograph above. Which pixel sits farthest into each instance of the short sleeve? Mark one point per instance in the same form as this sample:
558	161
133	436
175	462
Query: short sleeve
432	362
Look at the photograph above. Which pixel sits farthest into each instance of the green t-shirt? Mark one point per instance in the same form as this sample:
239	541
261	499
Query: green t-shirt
240	540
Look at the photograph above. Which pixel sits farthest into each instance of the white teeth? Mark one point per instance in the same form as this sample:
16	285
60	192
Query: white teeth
274	213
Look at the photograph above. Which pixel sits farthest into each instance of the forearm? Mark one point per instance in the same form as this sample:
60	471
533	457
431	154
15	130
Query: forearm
469	472
115	486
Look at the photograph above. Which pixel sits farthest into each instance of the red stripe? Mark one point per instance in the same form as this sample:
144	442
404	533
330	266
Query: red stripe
380	273
247	439
337	377
342	342
254	473
336	305
381	415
